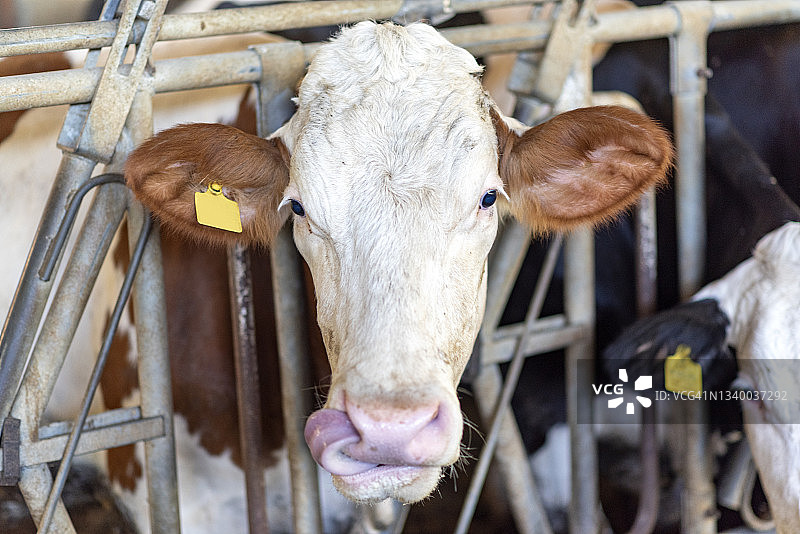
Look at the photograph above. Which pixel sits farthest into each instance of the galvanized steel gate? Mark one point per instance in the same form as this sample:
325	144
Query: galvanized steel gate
101	99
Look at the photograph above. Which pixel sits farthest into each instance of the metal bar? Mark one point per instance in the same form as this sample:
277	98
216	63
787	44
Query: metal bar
119	82
57	245
510	458
505	261
643	23
151	339
274	106
268	18
662	21
512	376
248	399
61	322
646	304
579	306
34	478
9	445
93	439
275	17
97	371
646	255
499	38
78	85
103	419
538	342
688	87
287	283
649	484
30	298
635	25
154	380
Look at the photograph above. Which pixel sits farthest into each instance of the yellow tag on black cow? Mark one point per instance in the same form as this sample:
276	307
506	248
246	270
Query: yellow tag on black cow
214	210
682	374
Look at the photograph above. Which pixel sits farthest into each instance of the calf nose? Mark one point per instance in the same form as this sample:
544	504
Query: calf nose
420	435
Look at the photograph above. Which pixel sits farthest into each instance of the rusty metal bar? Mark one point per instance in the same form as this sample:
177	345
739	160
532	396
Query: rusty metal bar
248	399
646	255
646	304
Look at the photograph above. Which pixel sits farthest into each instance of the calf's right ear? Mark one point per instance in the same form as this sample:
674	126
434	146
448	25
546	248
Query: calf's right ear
167	170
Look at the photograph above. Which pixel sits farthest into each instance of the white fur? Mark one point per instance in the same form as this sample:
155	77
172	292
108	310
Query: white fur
762	299
392	148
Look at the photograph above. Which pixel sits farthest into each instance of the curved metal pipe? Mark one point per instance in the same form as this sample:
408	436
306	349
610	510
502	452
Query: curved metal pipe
57	245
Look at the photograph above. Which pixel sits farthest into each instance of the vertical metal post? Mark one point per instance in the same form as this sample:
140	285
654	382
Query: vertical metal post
646	303
646	255
248	399
579	306
282	66
151	338
31	296
290	317
688	86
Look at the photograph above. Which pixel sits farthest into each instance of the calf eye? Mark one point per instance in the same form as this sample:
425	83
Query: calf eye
297	208
488	199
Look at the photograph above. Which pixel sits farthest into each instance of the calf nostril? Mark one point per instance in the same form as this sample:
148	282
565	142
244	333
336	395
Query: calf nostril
404	436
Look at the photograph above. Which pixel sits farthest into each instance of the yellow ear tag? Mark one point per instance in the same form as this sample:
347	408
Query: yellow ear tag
214	210
682	374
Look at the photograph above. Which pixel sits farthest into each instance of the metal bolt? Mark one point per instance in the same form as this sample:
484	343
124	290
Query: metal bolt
705	72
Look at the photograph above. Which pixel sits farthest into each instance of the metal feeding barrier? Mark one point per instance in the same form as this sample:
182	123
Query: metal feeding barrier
104	100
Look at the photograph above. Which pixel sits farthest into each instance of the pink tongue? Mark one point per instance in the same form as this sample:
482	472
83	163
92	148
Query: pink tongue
327	433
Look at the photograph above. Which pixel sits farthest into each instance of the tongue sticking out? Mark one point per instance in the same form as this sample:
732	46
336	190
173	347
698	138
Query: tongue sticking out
328	433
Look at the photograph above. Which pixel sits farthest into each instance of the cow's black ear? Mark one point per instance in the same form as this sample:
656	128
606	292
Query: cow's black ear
699	325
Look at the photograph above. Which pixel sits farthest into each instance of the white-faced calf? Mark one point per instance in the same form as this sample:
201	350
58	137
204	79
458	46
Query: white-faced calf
395	169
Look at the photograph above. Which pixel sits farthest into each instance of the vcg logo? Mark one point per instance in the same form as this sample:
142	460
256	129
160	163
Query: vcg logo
642	383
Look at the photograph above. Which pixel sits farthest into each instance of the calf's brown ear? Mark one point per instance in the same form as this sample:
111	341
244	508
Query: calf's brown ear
581	167
167	170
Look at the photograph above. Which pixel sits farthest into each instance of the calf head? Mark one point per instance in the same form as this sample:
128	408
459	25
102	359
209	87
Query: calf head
394	170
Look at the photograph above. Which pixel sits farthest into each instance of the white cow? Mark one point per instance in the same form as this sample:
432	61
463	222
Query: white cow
391	168
754	309
761	298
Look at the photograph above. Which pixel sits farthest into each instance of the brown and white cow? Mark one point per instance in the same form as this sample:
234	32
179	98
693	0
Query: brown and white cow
391	168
